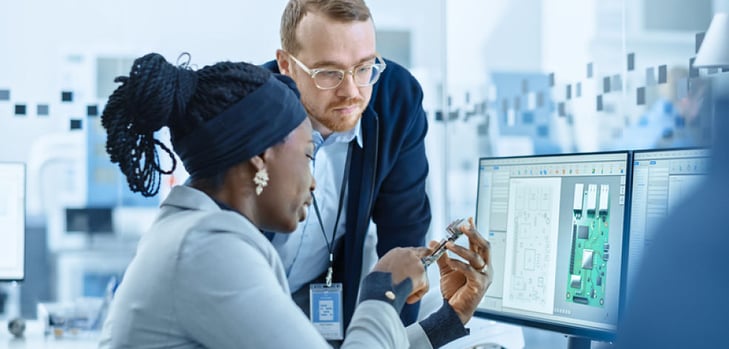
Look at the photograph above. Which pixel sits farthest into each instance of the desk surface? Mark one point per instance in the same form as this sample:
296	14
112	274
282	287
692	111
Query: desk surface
34	339
486	333
482	331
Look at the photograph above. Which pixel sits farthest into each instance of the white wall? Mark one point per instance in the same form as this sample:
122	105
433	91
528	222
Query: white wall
38	31
48	46
491	35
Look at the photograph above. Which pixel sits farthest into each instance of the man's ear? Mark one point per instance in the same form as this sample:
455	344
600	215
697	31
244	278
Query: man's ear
284	66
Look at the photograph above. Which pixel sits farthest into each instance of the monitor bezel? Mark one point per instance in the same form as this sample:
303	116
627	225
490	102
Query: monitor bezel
24	267
591	333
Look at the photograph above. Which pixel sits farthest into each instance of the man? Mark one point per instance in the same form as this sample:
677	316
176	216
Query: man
370	164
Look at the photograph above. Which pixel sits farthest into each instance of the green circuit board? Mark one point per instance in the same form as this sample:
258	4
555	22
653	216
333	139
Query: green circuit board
590	251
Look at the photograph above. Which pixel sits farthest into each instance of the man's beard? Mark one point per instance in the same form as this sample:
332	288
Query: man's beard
338	123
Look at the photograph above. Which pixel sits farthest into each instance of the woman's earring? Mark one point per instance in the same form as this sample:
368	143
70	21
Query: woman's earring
261	180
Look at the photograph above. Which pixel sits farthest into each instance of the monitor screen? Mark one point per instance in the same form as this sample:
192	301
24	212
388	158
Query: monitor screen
12	221
556	227
661	179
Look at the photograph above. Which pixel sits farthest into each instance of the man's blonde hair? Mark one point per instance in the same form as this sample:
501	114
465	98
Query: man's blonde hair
341	10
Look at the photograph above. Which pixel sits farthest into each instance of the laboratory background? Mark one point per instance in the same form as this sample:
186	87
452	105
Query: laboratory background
500	78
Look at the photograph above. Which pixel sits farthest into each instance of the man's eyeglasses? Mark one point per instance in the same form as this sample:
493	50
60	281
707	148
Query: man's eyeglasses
364	74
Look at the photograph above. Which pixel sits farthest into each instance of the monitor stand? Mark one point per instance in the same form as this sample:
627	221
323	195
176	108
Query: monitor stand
574	342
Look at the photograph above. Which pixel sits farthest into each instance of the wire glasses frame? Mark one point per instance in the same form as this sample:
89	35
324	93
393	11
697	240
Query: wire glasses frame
365	74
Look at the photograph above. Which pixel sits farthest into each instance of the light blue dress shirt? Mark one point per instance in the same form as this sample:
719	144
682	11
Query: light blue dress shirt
304	252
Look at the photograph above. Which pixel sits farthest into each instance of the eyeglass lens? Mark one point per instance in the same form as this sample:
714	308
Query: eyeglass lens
364	75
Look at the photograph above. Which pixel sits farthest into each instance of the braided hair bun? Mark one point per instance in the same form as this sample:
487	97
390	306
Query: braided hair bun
157	94
154	92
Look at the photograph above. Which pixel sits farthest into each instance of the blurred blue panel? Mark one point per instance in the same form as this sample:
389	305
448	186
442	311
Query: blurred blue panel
616	83
92	110
42	110
640	96
598	103
650	76
94	283
662	74
631	61
75	124
66	96
532	119
527	117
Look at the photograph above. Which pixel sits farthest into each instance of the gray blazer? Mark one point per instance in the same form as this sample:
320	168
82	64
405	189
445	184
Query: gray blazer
204	277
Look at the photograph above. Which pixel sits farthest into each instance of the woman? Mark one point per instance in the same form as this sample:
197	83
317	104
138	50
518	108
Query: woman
205	275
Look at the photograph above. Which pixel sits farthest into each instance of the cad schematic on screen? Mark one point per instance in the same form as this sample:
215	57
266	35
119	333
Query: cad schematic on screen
555	224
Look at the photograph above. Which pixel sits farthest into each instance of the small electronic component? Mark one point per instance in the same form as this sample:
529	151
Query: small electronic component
579	197
604	195
583	232
587	259
591	197
580	300
454	232
576	281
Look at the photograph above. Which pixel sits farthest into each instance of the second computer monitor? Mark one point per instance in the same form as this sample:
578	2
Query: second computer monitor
661	179
556	225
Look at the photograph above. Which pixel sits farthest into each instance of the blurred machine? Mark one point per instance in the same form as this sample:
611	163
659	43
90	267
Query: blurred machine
92	220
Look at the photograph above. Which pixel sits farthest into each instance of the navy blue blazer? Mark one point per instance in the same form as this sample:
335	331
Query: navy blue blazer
387	180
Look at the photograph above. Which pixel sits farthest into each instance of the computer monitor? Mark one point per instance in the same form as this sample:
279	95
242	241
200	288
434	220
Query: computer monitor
556	224
12	221
661	179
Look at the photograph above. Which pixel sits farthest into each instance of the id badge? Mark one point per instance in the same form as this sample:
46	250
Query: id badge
325	309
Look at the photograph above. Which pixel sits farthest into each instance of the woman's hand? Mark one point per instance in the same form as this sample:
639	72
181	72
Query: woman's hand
405	262
464	284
